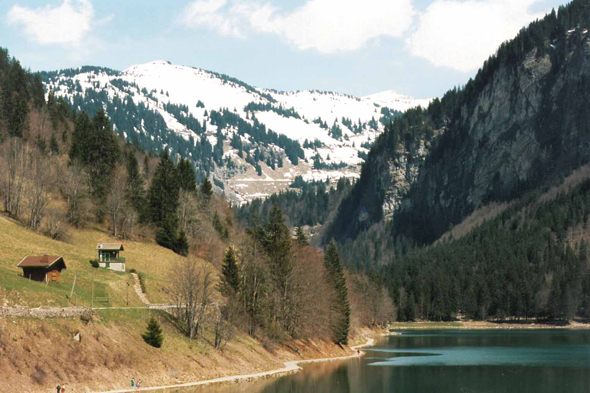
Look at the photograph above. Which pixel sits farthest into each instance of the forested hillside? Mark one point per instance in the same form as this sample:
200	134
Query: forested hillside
529	261
304	204
519	124
516	129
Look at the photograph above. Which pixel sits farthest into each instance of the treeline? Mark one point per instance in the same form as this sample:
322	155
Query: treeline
19	87
145	127
310	204
258	133
529	261
268	107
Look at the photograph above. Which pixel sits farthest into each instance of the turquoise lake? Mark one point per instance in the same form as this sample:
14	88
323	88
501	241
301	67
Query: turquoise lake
449	361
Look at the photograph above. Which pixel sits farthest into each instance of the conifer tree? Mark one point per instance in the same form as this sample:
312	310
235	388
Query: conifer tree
164	191
300	237
95	147
53	145
277	245
182	247
339	304
207	188
167	234
146	166
101	155
153	335
135	193
186	175
230	280
80	137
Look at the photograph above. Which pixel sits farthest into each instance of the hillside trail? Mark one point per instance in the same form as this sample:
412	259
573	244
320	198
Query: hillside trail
290	368
139	291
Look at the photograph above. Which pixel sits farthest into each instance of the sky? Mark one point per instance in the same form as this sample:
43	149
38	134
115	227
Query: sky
359	47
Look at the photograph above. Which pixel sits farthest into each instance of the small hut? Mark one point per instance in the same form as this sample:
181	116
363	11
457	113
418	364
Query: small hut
108	256
42	268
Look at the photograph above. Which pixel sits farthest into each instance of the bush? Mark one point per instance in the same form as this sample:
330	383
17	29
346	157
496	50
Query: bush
142	281
94	263
153	335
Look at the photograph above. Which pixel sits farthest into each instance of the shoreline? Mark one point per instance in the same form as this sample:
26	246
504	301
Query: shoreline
484	325
291	367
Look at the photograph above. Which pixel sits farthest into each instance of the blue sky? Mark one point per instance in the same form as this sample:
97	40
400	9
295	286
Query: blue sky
359	47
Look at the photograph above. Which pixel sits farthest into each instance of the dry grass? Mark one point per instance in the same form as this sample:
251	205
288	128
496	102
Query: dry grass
38	354
17	242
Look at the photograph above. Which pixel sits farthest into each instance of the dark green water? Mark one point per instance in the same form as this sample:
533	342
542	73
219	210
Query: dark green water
450	361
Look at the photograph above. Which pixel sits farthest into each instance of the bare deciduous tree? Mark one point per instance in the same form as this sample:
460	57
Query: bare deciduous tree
74	188
128	223
188	207
116	198
39	180
14	162
254	284
191	282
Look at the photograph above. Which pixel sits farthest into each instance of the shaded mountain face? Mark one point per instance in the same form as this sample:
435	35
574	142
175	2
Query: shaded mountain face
522	126
252	141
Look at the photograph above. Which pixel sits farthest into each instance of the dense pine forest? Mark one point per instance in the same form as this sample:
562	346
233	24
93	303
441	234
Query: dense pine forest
531	261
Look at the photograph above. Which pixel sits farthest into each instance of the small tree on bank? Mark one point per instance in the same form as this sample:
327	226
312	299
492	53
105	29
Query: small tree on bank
153	335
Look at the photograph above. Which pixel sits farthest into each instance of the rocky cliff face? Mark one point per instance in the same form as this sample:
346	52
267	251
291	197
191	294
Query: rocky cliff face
528	125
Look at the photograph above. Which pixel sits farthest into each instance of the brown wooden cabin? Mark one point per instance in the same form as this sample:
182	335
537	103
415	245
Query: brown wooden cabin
41	268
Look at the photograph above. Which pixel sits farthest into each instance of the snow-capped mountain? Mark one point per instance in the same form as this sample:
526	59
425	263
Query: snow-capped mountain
252	141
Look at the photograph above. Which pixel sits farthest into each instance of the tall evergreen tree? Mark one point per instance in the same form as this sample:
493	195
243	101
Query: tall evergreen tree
102	155
230	275
300	237
182	246
167	234
207	188
186	175
164	191
277	245
339	304
135	192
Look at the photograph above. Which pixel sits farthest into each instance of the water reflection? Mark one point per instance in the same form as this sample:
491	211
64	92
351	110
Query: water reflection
448	361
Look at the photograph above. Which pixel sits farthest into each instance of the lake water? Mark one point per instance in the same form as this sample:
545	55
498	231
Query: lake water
449	361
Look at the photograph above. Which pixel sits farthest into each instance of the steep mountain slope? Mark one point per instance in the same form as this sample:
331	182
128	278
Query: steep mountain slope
520	124
253	141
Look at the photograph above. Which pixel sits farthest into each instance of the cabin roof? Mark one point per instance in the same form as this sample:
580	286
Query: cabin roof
110	246
40	261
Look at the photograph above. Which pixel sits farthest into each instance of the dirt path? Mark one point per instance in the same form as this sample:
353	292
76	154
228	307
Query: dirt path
290	368
137	287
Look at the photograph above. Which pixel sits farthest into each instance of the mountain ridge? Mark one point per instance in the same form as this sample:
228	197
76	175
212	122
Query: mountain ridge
231	130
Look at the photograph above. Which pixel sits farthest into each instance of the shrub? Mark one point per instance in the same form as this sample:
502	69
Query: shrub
94	263
142	281
153	335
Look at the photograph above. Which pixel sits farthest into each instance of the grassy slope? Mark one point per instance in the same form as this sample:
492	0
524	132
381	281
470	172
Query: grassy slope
17	242
33	352
36	355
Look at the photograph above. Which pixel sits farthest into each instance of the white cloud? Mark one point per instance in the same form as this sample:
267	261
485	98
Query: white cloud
66	24
209	14
463	34
328	26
